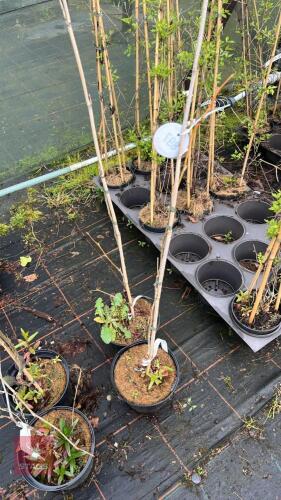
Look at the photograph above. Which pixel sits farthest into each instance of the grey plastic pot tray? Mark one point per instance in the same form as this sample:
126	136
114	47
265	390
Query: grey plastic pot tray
212	268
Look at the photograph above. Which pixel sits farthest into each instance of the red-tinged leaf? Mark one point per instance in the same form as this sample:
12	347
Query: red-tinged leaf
30	277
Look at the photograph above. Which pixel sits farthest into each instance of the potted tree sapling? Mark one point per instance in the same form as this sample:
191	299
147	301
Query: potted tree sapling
127	305
257	309
55	451
39	377
146	375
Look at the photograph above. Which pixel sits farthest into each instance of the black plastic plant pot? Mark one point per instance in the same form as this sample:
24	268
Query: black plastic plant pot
120	345
254	332
69	485
189	248
145	409
271	149
154	229
66	396
254	211
245	254
224	229
135	197
219	278
139	171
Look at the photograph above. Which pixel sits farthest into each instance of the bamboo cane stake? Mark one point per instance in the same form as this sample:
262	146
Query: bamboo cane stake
111	90
261	266
88	100
278	300
137	81
265	277
244	52
258	32
211	159
192	144
261	102
99	59
169	228
148	65
155	116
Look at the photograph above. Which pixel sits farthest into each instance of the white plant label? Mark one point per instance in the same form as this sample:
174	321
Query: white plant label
25	442
166	140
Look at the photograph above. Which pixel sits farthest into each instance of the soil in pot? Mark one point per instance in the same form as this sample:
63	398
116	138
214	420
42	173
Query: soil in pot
51	377
228	186
266	318
138	325
145	166
200	204
114	179
160	215
57	456
132	382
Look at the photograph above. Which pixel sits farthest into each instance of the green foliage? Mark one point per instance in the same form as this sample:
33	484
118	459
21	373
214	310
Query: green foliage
26	341
30	395
162	70
228	237
143	142
59	461
157	373
4	229
276	204
113	319
25	260
273	228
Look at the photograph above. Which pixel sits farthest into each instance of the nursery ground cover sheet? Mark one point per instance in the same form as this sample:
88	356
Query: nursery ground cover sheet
222	382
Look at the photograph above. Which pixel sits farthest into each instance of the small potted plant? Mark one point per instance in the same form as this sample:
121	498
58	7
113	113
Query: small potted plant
39	377
257	309
144	388
118	326
228	186
142	162
61	450
159	220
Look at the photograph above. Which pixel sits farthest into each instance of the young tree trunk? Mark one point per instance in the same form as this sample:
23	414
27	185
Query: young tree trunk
88	100
169	228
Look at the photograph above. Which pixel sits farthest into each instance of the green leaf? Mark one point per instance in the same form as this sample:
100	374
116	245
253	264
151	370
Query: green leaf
24	260
98	319
117	299
107	334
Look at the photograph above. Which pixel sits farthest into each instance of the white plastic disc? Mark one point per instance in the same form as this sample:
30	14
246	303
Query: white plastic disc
166	140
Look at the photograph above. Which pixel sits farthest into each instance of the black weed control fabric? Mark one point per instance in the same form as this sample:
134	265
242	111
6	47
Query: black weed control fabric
222	382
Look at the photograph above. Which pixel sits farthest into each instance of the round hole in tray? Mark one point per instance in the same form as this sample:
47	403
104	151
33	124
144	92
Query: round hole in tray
135	197
189	248
224	229
219	278
274	142
246	254
254	211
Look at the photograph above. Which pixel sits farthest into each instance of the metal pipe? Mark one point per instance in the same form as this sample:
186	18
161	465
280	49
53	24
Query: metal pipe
61	171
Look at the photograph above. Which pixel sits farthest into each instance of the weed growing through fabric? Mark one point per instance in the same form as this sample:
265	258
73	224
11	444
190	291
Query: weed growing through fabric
275	405
112	318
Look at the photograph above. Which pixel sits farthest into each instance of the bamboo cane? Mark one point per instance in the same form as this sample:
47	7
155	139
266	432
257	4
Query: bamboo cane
211	159
278	300
244	52
267	271
111	90
261	266
169	228
99	57
137	81
148	65
262	97
88	100
155	117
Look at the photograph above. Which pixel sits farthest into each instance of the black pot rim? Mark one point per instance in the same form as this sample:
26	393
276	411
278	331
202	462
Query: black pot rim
49	354
225	262
151	405
153	229
138	207
247	201
69	484
217	216
192	234
241	243
253	332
